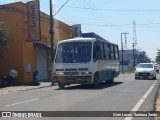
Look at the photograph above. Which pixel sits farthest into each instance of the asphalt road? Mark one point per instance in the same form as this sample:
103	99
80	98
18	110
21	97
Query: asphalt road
125	94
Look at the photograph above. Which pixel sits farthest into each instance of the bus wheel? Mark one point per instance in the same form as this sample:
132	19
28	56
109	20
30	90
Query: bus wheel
61	85
96	81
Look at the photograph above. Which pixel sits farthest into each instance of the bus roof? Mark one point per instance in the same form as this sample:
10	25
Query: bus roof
92	35
77	39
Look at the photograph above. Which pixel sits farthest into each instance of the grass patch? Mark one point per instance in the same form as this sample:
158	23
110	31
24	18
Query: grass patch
128	72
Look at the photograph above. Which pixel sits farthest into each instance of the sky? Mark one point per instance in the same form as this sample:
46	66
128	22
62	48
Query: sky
110	18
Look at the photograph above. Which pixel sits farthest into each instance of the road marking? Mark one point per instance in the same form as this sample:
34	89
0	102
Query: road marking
21	102
137	106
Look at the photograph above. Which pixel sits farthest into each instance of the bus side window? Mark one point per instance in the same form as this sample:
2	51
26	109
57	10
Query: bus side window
112	52
104	51
109	47
101	51
106	48
116	52
96	51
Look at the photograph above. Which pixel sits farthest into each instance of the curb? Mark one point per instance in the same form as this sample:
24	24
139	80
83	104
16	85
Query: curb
22	89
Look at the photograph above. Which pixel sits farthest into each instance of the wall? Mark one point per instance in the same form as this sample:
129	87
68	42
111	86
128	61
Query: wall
14	52
21	52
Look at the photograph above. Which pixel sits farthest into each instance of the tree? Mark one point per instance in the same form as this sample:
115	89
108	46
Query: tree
3	39
158	56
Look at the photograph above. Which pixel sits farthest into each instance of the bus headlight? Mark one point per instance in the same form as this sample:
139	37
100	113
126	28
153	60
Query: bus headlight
58	73
86	73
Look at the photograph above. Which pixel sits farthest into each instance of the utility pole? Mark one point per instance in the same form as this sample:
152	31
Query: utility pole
134	35
51	31
133	55
122	49
135	46
51	40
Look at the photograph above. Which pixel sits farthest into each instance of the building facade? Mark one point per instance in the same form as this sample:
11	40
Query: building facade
24	56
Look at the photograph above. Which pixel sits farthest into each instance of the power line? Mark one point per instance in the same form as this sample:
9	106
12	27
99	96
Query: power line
61	7
18	11
112	10
123	25
92	12
101	14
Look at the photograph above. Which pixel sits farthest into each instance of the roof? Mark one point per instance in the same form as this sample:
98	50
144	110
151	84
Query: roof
92	35
77	39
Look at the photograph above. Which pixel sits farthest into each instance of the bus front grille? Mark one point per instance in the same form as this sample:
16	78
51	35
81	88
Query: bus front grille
71	73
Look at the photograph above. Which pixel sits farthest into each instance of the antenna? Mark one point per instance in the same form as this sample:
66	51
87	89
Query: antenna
135	36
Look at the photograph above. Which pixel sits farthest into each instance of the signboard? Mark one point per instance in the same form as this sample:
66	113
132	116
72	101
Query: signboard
33	21
76	29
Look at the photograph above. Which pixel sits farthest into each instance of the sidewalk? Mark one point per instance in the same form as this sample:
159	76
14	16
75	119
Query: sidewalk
12	89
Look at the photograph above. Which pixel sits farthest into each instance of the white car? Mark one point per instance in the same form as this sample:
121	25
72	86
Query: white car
146	71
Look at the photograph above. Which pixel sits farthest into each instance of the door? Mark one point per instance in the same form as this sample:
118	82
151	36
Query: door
42	64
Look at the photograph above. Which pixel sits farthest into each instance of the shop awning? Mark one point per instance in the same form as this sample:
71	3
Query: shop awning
42	45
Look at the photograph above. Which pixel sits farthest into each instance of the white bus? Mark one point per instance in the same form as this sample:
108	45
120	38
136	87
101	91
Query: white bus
85	61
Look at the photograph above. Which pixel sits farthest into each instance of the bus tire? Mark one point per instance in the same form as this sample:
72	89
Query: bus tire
95	81
61	85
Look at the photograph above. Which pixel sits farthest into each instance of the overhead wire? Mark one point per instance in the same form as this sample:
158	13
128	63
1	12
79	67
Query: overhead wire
90	11
100	25
101	15
94	12
114	10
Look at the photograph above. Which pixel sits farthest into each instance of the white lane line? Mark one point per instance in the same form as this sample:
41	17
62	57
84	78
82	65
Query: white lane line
137	106
21	102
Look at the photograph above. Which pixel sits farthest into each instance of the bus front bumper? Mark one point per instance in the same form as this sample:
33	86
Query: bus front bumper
74	79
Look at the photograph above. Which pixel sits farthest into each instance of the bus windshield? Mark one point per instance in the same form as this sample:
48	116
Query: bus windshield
73	52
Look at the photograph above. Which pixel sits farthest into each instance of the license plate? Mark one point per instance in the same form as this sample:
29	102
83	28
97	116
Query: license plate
144	74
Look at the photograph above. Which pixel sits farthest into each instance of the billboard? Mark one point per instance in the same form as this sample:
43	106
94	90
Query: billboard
33	21
76	29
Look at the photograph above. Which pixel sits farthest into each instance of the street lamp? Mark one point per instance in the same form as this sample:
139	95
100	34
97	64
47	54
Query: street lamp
122	50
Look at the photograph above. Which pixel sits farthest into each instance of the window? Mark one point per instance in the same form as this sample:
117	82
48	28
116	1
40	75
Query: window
96	51
107	51
101	51
112	51
116	52
74	52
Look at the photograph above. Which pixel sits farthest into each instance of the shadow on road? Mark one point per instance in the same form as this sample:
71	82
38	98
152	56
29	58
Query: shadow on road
90	87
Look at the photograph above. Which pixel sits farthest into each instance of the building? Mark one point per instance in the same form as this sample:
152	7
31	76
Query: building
130	60
25	56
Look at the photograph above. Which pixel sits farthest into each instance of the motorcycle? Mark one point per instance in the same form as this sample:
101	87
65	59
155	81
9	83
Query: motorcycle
6	81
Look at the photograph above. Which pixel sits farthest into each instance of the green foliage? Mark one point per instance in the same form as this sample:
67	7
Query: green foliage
129	72
158	56
3	38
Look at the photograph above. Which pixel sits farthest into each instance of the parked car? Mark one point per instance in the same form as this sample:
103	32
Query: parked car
145	71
